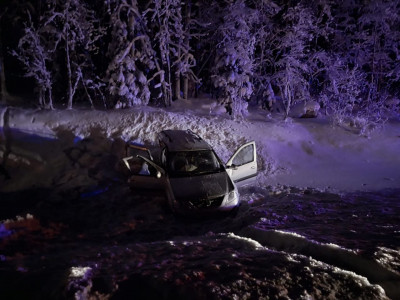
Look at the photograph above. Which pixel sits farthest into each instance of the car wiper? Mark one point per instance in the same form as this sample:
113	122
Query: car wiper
209	172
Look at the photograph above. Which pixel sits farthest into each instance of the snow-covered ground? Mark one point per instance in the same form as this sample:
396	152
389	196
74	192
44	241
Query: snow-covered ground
298	152
321	221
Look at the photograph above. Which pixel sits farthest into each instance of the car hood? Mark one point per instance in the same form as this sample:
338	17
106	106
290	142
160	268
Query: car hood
201	186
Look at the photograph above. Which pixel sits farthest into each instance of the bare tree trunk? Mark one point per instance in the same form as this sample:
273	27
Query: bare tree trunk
167	83
177	86
3	88
42	102
168	99
185	87
87	93
69	75
186	42
5	123
373	88
50	105
288	95
70	93
178	80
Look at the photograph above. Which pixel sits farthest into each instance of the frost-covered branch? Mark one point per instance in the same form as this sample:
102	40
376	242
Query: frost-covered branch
34	56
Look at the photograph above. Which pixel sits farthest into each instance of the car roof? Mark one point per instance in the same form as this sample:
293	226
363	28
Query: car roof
183	140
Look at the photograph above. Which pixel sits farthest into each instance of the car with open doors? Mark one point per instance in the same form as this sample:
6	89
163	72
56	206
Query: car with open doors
193	177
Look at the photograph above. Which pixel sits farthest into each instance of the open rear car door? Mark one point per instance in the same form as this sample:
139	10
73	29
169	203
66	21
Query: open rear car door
142	171
243	164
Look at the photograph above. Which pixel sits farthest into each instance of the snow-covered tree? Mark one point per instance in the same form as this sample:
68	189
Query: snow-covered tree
178	52
73	27
291	65
320	56
343	97
164	19
161	15
266	47
35	56
234	61
185	60
131	53
170	25
246	49
343	87
366	39
378	41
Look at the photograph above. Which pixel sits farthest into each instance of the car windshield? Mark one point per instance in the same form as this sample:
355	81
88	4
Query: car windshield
188	163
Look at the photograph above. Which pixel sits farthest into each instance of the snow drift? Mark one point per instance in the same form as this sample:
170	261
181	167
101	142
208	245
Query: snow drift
296	152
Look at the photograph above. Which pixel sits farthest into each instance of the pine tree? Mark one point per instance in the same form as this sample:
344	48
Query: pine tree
234	61
131	53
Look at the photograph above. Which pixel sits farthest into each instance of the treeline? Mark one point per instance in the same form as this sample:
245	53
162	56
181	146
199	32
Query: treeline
341	54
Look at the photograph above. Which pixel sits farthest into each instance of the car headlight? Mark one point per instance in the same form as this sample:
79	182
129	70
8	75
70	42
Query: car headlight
232	197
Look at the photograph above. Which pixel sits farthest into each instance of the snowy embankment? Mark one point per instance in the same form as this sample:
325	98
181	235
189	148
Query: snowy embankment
86	234
298	152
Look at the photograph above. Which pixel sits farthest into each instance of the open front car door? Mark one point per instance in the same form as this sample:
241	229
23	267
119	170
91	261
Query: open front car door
243	164
144	173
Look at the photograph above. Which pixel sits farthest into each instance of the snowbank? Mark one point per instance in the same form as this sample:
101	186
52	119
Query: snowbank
78	229
298	152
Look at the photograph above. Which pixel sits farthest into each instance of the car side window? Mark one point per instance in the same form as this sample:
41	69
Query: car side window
140	167
246	155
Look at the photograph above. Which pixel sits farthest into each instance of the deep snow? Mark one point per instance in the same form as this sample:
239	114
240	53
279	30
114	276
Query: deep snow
297	152
322	220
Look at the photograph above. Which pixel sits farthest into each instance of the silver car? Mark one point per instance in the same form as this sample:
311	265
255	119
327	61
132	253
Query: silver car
190	173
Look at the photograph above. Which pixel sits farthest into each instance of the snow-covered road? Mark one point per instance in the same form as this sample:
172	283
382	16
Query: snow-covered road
108	242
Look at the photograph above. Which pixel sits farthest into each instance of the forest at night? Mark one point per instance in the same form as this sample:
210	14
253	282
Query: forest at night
285	116
344	55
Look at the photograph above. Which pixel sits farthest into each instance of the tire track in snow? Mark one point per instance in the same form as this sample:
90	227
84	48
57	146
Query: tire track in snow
330	254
